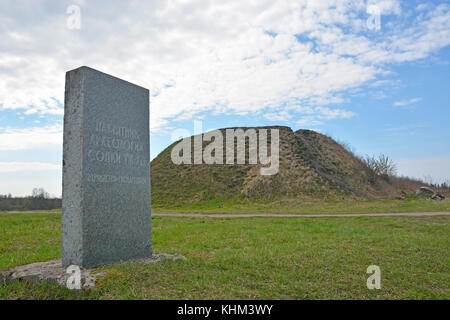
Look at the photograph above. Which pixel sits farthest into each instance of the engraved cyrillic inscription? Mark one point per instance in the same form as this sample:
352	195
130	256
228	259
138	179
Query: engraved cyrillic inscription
109	178
115	145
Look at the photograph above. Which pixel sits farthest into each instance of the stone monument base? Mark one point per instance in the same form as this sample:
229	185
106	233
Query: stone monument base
52	271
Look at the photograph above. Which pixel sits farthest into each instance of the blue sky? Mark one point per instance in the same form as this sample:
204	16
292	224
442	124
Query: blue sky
321	65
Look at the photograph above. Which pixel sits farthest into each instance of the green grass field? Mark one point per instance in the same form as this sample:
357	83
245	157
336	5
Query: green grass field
305	206
253	258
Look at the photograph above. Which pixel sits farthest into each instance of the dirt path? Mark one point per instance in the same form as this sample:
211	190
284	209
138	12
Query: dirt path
282	215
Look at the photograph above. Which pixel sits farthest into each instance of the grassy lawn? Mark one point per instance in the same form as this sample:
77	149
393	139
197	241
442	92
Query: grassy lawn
304	206
250	258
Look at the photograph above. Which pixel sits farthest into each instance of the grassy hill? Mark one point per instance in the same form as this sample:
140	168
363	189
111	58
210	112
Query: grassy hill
312	166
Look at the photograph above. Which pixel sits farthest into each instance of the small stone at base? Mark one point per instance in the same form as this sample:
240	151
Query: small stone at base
52	271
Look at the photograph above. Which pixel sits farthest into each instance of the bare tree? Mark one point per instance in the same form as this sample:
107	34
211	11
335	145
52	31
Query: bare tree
371	164
386	166
428	179
40	193
381	166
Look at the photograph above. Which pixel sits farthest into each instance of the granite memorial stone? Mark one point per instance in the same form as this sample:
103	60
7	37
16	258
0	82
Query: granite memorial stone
106	170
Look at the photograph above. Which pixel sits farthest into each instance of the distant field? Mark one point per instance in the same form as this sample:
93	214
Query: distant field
253	258
303	206
311	206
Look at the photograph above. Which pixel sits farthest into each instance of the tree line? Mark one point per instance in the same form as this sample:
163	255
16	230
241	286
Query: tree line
38	200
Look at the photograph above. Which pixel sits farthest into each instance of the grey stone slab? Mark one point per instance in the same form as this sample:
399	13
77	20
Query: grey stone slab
106	170
52	271
49	271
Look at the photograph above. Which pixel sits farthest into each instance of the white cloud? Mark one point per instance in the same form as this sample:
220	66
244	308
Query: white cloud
381	83
280	116
327	113
316	116
407	102
387	6
27	166
30	138
308	121
233	56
